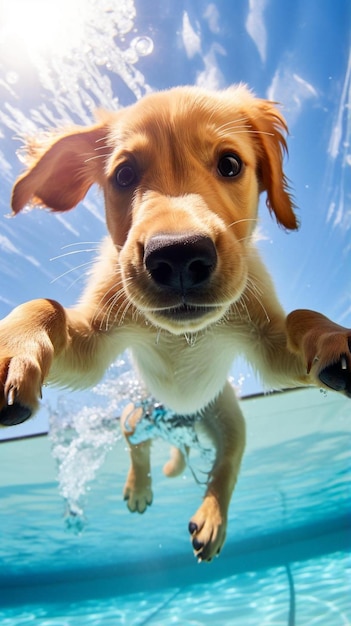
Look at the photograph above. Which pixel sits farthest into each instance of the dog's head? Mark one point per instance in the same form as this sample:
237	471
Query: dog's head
181	172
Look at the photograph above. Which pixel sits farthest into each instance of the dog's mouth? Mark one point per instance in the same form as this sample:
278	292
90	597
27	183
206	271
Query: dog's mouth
186	312
184	317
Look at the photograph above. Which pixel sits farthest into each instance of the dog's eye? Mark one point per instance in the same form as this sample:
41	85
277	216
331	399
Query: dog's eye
125	175
229	165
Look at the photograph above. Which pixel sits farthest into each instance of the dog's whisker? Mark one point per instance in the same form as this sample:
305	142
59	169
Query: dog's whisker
245	131
100	309
110	305
113	301
82	243
72	269
241	220
121	311
97	156
253	289
242	302
231	123
81	276
104	147
190	338
158	335
129	305
65	254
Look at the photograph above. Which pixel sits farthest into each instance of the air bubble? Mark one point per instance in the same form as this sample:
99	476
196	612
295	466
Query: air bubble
142	46
130	56
125	25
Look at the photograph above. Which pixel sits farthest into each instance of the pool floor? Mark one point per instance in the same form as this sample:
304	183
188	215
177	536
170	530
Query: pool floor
314	592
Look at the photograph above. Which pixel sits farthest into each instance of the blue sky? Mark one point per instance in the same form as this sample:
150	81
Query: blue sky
295	52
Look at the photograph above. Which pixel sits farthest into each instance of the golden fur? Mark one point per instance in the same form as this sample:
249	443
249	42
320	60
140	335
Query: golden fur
181	172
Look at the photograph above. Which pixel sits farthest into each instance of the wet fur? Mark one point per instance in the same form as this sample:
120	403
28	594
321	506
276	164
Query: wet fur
174	140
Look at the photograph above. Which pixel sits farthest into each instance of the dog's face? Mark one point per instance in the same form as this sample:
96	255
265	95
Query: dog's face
181	172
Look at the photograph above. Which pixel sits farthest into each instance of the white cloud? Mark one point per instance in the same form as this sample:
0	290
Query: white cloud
7	246
212	16
5	168
191	39
291	90
60	218
341	127
256	28
212	77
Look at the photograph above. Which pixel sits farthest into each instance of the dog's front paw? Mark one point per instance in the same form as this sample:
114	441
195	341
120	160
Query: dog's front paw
138	498
208	529
330	360
337	376
324	346
20	382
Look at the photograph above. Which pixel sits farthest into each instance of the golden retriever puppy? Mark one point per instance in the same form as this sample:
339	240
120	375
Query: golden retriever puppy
178	281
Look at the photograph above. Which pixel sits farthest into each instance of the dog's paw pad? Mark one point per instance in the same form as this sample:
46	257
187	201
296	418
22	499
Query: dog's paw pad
137	501
14	414
337	376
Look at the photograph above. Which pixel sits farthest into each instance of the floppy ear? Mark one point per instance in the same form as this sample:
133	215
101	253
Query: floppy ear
60	175
270	125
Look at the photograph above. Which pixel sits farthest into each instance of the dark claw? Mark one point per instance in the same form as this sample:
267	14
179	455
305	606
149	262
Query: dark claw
336	377
14	414
192	528
197	545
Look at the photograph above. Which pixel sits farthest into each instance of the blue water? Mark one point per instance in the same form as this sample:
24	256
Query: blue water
286	561
265	598
287	556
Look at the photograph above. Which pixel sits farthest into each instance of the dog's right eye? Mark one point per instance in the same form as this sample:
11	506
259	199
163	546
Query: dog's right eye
229	165
125	175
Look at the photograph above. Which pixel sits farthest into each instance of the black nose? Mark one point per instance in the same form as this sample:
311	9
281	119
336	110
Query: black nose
180	262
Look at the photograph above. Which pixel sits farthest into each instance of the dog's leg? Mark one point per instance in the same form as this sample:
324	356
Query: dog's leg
176	464
137	489
324	346
30	337
225	424
41	340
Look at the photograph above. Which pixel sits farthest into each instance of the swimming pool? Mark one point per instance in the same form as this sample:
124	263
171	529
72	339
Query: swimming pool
287	556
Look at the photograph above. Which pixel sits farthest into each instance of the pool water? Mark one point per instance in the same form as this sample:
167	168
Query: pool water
287	556
286	561
320	596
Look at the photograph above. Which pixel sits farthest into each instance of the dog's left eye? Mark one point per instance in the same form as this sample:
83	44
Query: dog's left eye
125	175
229	165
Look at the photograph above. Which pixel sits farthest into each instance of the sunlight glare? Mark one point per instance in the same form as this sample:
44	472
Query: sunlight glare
43	26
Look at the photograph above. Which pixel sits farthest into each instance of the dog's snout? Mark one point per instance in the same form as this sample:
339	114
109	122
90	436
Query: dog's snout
180	262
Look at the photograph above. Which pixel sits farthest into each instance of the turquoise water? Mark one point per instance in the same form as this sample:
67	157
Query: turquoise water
320	597
286	561
287	556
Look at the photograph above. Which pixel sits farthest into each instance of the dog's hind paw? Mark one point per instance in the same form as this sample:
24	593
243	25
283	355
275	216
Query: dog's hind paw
137	499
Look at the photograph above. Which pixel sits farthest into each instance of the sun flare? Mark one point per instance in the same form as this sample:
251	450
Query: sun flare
43	26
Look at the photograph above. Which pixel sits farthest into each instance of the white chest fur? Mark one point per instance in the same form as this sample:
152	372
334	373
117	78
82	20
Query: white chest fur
185	373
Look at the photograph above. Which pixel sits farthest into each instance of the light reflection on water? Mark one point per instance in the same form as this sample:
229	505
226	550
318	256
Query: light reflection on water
253	599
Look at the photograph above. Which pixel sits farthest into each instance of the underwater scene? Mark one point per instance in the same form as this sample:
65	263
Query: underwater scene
71	551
